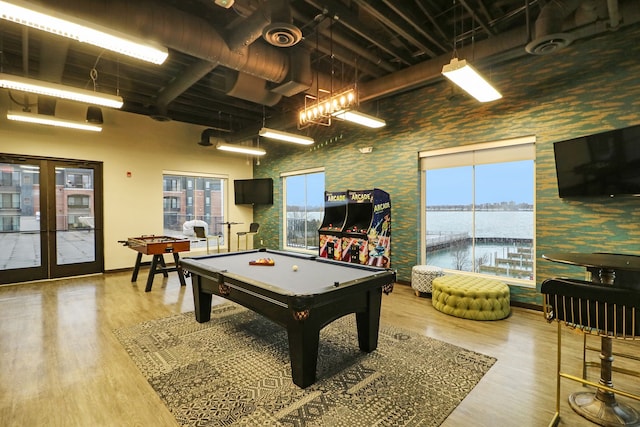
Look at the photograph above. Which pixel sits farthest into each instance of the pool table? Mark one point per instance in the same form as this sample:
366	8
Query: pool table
303	299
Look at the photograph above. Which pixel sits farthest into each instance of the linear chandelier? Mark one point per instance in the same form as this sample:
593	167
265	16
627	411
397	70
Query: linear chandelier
359	118
285	136
468	79
41	18
50	121
240	149
59	91
321	111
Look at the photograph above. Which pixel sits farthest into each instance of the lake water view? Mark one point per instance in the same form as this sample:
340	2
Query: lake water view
504	247
514	224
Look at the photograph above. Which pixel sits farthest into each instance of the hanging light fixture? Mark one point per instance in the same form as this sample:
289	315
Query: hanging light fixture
468	79
41	18
464	75
341	104
320	111
39	87
285	136
51	121
363	119
240	149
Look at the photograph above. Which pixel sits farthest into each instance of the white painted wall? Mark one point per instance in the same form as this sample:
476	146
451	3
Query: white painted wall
127	143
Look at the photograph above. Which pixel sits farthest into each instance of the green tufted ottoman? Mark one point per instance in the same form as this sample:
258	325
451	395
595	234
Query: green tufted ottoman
471	297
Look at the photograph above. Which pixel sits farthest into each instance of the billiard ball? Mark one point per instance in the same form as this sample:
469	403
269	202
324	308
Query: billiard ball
295	268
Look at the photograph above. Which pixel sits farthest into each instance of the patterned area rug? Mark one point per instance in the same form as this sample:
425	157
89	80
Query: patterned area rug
234	370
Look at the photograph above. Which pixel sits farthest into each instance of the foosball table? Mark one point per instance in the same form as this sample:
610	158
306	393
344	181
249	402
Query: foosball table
157	246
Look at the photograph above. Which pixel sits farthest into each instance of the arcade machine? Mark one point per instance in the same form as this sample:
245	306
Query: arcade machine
366	235
330	232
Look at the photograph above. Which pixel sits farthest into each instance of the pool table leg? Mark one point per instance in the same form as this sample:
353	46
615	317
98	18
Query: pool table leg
369	321
201	301
303	352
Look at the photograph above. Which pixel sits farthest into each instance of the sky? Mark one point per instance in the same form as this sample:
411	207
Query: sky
498	182
314	184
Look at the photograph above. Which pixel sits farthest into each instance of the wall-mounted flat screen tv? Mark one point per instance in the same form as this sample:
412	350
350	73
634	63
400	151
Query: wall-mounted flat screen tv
603	164
257	191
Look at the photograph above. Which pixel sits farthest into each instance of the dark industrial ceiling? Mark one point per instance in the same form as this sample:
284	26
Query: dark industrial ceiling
233	68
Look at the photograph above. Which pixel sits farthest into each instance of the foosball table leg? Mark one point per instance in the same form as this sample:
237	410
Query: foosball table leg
157	259
181	275
136	268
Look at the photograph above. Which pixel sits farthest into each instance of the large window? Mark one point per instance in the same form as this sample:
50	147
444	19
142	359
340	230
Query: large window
303	208
193	200
479	209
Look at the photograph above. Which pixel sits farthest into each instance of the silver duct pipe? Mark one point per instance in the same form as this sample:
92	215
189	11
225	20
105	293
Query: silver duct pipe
246	86
589	11
614	14
205	137
240	38
179	31
250	30
53	56
180	84
506	46
548	27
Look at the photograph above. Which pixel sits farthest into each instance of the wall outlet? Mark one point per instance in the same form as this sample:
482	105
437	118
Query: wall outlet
261	242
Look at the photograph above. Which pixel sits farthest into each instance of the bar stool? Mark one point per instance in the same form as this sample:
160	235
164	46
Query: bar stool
202	235
605	311
253	229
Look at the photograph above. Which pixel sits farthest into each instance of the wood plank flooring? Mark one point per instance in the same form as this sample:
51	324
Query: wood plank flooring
60	364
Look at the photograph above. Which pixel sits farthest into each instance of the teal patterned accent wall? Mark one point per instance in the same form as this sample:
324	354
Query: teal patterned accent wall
588	87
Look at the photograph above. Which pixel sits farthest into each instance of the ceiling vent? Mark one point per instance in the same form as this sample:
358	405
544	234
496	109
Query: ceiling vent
549	36
159	116
281	32
549	43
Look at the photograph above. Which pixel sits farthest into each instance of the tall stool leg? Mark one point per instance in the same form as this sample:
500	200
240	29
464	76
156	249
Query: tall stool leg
556	417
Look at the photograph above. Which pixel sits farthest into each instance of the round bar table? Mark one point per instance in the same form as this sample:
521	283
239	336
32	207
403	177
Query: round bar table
601	406
229	224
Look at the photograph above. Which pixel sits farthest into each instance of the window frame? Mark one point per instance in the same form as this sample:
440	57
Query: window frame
466	155
170	192
283	177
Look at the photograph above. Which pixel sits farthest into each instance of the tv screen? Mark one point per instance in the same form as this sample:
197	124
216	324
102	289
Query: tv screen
257	191
604	164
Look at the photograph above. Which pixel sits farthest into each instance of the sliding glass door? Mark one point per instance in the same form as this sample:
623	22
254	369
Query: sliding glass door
50	218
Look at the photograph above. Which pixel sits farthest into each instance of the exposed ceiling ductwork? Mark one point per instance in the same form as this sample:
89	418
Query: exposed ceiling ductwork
227	68
281	32
548	27
188	34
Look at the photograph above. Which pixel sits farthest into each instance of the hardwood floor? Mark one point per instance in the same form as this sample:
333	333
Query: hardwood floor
61	365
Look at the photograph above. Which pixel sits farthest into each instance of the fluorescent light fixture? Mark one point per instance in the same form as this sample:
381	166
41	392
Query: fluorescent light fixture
465	76
41	18
241	149
285	136
359	118
59	91
50	121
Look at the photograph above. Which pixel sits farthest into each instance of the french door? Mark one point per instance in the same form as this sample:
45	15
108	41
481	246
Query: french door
50	218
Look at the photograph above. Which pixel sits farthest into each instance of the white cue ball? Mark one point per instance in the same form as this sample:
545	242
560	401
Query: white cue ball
295	268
